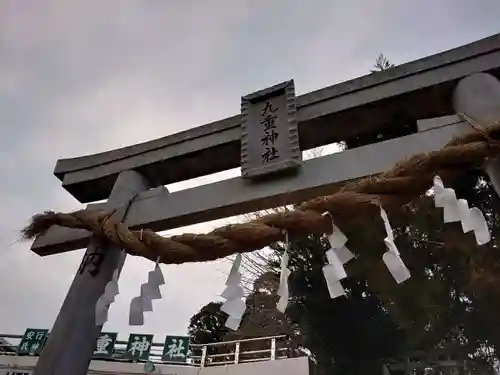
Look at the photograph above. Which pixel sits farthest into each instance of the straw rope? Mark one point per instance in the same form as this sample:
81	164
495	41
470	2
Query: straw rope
357	200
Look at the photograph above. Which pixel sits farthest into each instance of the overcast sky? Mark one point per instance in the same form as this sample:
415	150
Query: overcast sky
83	77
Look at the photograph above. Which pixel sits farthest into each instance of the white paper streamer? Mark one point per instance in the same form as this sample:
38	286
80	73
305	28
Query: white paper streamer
106	299
136	316
101	315
233	293
333	284
454	209
337	242
337	256
234	307
337	239
391	257
335	265
396	266
233	323
144	302
344	254
283	292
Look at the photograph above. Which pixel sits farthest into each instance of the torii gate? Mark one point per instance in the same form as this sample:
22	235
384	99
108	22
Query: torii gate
132	178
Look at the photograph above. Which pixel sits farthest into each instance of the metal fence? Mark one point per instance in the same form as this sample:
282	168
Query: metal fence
239	351
200	355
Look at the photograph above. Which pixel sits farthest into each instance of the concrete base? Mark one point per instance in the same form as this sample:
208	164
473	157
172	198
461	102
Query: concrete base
12	365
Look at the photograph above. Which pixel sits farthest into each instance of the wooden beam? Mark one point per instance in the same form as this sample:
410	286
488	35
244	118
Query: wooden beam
421	87
159	211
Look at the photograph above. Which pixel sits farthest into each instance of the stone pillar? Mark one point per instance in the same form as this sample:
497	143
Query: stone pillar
478	96
69	348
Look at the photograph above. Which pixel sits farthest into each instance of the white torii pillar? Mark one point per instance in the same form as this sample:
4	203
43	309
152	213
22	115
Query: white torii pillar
69	348
478	96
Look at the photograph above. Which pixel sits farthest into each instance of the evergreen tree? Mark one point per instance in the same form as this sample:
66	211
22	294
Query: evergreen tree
381	64
208	326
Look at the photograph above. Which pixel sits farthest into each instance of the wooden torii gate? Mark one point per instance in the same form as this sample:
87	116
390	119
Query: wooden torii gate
132	179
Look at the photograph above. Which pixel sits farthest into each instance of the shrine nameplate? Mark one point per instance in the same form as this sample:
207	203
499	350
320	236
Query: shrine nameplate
270	138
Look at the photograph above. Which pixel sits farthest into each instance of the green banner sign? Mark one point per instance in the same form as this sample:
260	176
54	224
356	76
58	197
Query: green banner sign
139	346
176	349
105	345
32	341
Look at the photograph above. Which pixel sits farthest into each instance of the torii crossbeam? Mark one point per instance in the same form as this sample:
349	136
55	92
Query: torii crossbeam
422	89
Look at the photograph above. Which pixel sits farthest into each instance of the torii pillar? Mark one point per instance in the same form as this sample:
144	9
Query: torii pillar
69	348
478	96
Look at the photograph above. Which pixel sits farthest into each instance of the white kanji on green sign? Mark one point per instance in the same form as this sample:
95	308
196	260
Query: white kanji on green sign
139	346
32	341
105	344
176	348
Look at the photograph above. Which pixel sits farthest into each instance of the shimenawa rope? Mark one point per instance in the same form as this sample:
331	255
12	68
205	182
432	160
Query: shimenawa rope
407	180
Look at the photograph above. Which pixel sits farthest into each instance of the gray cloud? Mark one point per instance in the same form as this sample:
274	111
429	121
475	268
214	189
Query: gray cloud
84	77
